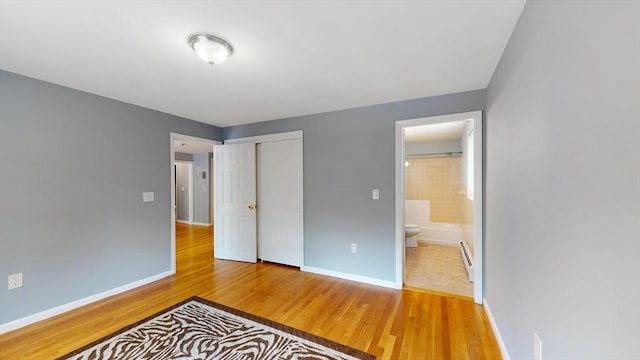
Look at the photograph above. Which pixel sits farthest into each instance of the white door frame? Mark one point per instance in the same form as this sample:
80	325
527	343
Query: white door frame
190	194
291	135
478	193
172	138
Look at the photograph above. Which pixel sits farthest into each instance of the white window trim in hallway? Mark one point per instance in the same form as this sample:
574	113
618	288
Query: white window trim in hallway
469	165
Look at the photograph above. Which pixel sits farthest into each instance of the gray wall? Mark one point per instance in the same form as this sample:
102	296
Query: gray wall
562	198
347	154
201	188
74	169
179	156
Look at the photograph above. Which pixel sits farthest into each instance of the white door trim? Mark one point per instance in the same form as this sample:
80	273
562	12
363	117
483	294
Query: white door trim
477	204
172	159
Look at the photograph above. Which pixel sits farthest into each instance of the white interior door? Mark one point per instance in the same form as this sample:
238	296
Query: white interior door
280	217
235	199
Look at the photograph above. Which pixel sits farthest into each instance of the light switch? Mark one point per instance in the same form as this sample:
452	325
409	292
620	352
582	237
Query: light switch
147	196
375	194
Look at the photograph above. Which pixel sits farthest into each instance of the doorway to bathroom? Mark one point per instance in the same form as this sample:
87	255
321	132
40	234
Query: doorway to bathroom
439	204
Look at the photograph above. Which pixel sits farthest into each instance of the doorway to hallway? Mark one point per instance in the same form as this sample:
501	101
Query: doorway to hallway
192	194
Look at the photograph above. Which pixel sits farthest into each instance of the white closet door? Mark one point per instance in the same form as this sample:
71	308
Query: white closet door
280	211
235	186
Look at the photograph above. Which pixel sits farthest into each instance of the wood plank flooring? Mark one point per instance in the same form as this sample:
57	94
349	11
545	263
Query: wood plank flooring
390	324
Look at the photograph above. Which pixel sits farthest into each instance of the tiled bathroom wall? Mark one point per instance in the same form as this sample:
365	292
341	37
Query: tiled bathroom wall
439	181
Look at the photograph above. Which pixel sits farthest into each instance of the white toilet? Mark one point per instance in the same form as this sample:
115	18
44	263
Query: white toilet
411	232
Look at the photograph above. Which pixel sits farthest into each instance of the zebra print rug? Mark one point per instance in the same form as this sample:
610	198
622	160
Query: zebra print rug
200	329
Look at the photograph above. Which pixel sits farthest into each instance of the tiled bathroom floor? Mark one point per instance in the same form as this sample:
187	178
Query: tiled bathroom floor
438	268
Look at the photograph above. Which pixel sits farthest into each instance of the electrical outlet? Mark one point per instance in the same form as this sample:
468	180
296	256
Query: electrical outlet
15	281
375	194
537	347
148	196
354	248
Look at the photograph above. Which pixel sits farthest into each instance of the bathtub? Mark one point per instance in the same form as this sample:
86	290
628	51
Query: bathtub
441	233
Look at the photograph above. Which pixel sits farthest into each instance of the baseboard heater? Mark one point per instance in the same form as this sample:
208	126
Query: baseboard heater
467	259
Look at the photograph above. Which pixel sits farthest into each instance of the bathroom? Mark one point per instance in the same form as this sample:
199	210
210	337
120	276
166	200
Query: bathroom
438	207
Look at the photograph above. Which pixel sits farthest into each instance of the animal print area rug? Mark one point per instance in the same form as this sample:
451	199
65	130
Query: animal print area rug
200	329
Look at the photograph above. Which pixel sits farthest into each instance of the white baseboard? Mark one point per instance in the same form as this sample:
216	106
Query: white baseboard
183	222
200	224
352	277
27	320
439	242
503	348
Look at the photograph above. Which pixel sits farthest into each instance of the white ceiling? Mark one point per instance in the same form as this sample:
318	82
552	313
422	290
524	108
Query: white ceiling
290	57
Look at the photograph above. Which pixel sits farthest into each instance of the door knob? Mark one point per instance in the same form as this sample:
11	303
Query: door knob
252	206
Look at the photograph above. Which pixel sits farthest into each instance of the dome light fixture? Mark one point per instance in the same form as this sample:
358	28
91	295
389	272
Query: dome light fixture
211	49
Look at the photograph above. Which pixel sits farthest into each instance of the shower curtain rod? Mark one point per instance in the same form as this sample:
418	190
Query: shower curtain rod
435	155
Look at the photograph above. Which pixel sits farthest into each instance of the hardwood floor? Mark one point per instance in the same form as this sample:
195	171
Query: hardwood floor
390	324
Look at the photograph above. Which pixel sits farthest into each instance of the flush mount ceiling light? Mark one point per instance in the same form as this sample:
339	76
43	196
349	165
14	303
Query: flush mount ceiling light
211	49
